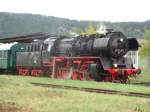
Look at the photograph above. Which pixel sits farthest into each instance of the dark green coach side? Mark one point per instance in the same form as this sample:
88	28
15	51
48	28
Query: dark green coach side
8	55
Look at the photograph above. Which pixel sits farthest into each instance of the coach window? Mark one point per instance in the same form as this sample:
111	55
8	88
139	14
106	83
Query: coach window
30	48
34	47
5	54
27	48
37	47
41	47
0	54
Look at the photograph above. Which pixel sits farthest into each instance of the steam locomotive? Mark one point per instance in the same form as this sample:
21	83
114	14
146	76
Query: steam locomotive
99	57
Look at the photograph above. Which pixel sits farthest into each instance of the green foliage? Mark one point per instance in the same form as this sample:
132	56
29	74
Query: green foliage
145	50
147	36
90	29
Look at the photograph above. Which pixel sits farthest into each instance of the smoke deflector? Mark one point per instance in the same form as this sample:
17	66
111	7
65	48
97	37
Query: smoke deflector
133	44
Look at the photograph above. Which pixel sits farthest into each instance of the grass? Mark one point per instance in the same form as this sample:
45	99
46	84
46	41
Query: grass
87	84
17	94
143	77
144	63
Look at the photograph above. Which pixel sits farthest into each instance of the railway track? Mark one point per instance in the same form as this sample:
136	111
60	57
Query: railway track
142	84
104	91
136	83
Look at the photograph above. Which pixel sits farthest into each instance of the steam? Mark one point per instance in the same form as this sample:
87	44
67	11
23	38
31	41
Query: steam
74	34
101	29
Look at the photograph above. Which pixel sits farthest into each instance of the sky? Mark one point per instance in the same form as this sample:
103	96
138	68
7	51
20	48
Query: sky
99	10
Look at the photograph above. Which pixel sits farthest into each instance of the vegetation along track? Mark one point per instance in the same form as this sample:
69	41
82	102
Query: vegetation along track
105	91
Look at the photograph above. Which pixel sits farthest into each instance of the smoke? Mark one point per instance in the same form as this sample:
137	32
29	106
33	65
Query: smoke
74	34
101	29
61	30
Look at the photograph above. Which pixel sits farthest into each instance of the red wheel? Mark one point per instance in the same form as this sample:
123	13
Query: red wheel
74	76
81	76
36	72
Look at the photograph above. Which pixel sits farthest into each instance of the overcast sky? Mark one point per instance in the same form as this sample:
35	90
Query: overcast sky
100	10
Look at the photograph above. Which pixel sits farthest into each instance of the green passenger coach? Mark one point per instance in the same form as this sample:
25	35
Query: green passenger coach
8	55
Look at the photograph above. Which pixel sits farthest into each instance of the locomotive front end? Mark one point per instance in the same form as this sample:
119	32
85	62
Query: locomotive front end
115	63
122	64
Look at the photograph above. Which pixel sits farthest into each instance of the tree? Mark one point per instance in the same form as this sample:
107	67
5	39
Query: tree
77	30
90	29
145	50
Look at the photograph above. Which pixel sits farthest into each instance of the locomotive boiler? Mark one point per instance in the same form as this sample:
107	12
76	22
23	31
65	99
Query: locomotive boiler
113	45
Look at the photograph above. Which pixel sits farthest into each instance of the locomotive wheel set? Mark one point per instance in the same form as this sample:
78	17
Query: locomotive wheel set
91	57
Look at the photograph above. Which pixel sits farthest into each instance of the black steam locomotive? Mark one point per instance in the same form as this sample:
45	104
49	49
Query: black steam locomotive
99	57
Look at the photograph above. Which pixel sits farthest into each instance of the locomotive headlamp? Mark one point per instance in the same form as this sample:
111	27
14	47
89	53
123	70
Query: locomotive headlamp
121	40
115	65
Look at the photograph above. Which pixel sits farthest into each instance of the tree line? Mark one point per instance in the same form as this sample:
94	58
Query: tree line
14	24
